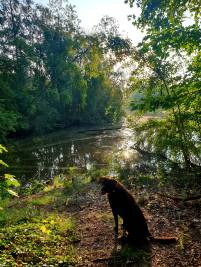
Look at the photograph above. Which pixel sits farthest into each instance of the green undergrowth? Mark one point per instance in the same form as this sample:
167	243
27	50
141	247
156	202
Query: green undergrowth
37	230
46	240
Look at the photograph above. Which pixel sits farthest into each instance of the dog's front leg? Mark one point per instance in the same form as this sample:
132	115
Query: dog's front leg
123	230
115	214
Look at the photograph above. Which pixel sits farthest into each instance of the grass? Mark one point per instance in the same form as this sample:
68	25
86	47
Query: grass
33	233
44	241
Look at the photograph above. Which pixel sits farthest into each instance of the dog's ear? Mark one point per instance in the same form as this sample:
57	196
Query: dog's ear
102	179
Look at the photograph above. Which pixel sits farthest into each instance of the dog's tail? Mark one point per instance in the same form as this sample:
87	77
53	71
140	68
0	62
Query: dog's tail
163	240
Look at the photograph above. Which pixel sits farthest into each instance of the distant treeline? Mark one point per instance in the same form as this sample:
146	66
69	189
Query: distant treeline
53	74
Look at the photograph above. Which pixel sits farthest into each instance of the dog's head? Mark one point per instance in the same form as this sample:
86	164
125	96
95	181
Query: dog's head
108	184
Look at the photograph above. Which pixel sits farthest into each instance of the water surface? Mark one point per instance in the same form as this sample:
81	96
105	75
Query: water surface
111	150
43	158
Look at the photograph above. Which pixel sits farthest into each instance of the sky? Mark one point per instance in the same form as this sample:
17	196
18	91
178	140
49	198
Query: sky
90	13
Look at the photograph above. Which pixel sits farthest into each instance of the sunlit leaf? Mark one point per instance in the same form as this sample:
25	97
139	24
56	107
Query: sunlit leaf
3	149
11	181
3	163
11	192
44	229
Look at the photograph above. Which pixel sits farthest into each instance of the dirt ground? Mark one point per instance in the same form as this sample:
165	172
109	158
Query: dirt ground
165	218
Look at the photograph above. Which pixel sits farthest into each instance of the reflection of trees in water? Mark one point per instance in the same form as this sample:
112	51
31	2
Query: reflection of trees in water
46	162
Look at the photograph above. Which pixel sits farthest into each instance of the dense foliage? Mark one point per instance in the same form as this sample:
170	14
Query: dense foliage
167	77
52	74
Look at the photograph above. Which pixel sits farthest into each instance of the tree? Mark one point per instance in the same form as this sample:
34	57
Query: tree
54	75
167	76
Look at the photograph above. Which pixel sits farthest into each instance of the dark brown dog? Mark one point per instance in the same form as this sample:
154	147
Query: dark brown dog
123	204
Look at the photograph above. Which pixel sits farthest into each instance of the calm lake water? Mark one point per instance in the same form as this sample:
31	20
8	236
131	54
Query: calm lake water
41	159
44	158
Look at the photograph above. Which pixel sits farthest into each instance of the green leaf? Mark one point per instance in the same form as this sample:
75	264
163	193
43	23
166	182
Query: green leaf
44	229
9	176
3	149
11	181
11	192
3	163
